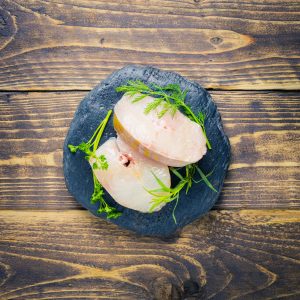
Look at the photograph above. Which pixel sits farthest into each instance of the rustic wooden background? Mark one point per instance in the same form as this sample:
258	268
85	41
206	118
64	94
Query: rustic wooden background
246	52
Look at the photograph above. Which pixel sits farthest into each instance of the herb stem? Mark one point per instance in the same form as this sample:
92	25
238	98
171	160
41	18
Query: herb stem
101	163
101	129
165	194
195	119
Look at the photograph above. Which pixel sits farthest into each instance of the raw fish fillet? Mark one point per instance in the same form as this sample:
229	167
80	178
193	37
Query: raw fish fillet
171	140
128	175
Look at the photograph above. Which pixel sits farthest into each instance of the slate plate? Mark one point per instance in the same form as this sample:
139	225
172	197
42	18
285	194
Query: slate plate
93	109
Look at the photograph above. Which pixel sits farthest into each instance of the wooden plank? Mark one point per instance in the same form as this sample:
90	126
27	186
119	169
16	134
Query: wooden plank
249	254
263	129
63	45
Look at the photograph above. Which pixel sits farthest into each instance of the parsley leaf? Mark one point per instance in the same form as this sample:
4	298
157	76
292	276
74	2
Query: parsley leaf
97	196
89	148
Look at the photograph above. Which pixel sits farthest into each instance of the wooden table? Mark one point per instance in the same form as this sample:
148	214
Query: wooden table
246	53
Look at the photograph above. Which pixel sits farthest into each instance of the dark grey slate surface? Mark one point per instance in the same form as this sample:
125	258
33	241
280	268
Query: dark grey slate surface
92	110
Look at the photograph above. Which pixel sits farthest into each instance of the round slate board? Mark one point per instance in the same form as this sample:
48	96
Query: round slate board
93	109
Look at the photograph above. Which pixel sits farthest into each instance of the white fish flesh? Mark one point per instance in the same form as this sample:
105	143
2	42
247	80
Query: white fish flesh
172	140
128	175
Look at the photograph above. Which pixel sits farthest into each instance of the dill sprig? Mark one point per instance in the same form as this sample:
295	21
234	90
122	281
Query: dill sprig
89	148
168	98
165	194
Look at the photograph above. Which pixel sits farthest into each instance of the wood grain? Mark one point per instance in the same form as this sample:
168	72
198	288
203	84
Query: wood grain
247	254
50	248
263	129
68	45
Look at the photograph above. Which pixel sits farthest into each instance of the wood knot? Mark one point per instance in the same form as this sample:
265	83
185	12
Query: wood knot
5	273
6	24
41	10
2	22
192	290
164	289
256	105
6	98
102	41
7	28
216	40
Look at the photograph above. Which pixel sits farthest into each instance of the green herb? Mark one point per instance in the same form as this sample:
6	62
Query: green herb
167	98
111	212
89	148
165	194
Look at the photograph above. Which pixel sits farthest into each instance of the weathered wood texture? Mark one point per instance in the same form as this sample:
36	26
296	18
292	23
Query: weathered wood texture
63	45
263	128
226	255
53	250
